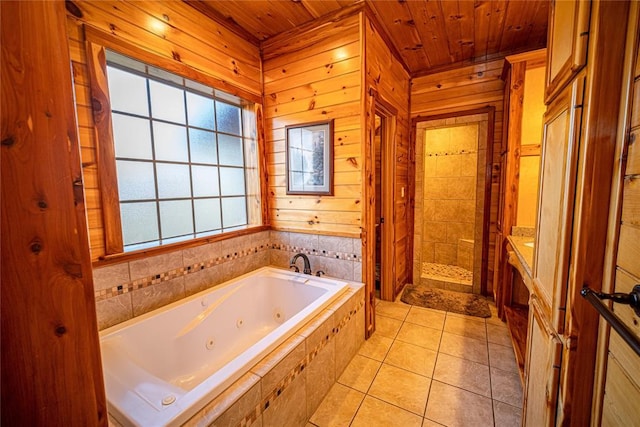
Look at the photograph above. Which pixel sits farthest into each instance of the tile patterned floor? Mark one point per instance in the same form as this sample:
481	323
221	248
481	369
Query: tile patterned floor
427	368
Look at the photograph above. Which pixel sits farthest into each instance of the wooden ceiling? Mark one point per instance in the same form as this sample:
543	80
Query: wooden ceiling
429	35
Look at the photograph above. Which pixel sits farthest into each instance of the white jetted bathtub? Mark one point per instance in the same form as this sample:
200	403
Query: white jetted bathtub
162	367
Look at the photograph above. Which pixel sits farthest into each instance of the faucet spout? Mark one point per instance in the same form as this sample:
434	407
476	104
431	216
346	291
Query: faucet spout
307	265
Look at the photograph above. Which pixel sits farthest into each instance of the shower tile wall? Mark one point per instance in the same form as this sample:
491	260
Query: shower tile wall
128	289
450	169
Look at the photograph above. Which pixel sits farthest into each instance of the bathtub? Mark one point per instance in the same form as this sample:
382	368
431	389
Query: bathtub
162	367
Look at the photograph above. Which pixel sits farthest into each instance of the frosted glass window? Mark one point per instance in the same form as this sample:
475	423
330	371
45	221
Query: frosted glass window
170	142
207	214
176	218
232	180
139	222
230	150
200	111
132	137
203	146
135	180
228	117
179	153
127	92
234	211
173	181
167	102
205	181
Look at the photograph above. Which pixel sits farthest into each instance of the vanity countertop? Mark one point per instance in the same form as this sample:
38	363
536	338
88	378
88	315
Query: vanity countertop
523	250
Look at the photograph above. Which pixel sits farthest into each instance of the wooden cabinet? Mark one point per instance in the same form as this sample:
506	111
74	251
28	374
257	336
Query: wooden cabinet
567	43
543	370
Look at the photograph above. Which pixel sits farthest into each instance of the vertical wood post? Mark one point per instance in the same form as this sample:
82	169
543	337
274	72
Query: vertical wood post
51	371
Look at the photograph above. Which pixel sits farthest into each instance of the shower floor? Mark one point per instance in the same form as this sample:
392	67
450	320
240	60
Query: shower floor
449	277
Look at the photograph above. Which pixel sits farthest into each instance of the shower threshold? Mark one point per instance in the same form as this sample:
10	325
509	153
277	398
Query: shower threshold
449	277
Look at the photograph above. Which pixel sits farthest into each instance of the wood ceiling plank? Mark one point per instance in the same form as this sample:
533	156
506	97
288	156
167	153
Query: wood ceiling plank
318	8
433	34
538	34
451	15
498	14
466	12
397	20
517	25
481	27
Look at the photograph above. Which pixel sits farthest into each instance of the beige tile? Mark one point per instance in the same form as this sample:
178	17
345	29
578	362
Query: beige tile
338	408
506	415
111	276
445	253
502	357
412	358
376	413
112	311
204	279
463	373
376	347
279	363
466	327
150	266
498	335
448	165
464	347
360	373
347	345
319	378
155	296
454	407
420	335
290	408
426	317
506	387
387	327
394	310
401	388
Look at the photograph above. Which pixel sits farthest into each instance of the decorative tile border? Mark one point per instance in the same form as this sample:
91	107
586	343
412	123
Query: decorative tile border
252	416
199	266
173	274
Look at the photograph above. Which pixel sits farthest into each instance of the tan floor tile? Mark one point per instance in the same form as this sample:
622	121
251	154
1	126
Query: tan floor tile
420	335
466	327
463	373
376	347
466	316
464	347
506	415
359	373
411	357
387	326
338	408
401	388
502	357
429	423
376	413
498	335
393	309
453	407
426	317
506	387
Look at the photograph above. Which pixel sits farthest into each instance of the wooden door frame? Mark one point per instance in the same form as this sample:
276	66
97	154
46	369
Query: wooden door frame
490	112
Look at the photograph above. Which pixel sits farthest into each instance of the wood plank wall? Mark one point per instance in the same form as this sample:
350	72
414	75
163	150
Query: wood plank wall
386	75
309	76
173	31
466	88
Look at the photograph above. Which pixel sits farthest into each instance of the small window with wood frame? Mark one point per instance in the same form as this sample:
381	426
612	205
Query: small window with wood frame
178	157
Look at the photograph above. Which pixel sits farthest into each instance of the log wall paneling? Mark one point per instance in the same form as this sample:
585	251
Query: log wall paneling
163	32
310	77
51	370
467	88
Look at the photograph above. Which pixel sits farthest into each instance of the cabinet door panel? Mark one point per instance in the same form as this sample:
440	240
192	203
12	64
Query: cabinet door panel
568	37
542	371
557	191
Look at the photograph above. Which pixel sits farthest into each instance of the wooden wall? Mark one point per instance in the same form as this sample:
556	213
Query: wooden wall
311	75
391	82
51	371
173	31
467	88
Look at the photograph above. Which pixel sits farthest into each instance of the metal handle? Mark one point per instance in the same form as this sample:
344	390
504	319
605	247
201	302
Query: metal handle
633	299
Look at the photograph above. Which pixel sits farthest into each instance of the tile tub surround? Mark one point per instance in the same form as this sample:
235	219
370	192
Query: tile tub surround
128	289
288	385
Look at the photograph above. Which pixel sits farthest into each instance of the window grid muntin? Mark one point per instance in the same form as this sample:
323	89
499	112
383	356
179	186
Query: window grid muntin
243	140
